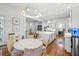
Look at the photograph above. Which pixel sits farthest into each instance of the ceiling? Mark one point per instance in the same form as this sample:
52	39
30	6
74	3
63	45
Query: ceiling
48	11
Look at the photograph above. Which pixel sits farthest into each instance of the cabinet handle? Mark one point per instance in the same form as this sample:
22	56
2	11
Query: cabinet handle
71	46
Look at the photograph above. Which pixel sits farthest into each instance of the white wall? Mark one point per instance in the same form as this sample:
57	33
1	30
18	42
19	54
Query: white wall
75	16
8	12
33	23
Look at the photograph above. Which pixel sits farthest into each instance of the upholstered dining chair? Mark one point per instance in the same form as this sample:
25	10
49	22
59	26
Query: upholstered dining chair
10	43
44	47
17	38
26	52
45	43
33	52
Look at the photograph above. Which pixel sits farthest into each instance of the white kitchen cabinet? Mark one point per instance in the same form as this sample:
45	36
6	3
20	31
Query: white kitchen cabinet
50	36
68	42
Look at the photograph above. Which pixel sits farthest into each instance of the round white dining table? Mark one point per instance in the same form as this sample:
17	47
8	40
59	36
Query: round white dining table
30	45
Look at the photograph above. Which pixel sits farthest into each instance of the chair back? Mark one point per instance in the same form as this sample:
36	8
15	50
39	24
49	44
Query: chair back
17	38
33	52
45	42
10	42
26	52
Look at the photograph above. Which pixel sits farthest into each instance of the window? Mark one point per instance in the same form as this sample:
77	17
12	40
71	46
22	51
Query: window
1	28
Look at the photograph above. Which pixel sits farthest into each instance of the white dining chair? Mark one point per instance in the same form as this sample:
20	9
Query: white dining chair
26	52
33	52
10	43
44	48
17	38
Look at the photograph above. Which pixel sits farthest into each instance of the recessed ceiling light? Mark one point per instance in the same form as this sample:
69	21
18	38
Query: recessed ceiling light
48	21
39	14
22	10
28	9
24	15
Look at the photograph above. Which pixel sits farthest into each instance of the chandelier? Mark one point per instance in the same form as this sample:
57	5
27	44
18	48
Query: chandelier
31	12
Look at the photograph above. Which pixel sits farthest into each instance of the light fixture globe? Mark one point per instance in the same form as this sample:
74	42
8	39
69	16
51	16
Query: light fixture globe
31	12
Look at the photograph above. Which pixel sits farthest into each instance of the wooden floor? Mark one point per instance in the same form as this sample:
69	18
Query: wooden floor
53	49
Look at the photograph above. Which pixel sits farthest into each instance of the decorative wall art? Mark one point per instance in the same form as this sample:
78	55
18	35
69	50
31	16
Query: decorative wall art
15	24
16	21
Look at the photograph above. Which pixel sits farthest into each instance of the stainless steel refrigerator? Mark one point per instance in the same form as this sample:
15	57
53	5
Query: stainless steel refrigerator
75	45
75	41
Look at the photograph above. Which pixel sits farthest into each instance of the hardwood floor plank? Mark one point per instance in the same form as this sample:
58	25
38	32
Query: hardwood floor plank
55	49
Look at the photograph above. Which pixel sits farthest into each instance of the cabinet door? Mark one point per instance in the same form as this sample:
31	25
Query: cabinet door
68	44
